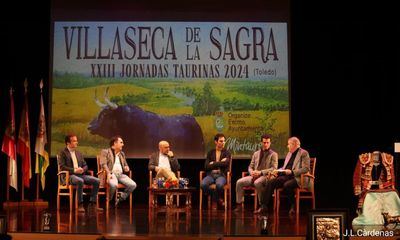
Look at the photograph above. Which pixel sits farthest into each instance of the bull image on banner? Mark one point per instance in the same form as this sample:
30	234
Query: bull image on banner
142	130
176	81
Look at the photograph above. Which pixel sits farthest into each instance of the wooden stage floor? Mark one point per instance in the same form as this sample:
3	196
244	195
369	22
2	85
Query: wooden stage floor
141	222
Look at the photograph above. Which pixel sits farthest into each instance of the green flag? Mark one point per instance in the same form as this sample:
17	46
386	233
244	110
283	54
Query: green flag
42	157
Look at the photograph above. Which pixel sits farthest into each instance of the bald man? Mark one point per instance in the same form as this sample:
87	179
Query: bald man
163	159
288	177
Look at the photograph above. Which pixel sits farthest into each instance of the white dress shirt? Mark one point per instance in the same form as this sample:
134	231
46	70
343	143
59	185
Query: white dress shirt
117	168
163	162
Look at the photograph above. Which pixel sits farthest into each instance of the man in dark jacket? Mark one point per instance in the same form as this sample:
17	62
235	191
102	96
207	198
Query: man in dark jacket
72	161
217	165
163	160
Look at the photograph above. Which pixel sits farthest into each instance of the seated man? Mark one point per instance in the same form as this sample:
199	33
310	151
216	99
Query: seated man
164	163
217	166
113	161
263	162
373	183
297	162
72	160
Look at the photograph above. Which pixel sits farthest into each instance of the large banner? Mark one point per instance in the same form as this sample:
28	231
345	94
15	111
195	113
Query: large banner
177	81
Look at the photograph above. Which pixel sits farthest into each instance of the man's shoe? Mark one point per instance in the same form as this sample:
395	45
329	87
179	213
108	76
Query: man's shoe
262	211
81	208
292	211
214	206
94	207
117	201
221	203
238	208
259	210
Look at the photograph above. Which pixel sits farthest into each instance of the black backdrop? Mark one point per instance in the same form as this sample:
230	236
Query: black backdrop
344	89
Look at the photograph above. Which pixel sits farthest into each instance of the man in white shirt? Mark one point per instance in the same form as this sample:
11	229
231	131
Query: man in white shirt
163	159
113	161
72	161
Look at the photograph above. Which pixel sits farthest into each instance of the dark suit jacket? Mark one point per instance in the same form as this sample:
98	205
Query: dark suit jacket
154	158
65	162
222	166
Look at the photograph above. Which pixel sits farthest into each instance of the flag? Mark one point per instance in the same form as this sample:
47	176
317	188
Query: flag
8	146
42	157
23	144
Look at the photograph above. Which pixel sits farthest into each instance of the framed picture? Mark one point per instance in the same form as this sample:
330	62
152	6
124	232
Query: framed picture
3	224
327	224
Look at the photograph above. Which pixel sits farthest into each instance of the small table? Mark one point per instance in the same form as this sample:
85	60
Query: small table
169	193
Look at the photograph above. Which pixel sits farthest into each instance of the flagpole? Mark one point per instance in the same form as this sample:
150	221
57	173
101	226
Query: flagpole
22	192
23	122
38	174
38	201
37	188
8	180
22	185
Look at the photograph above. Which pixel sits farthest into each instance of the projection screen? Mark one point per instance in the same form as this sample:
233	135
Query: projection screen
180	81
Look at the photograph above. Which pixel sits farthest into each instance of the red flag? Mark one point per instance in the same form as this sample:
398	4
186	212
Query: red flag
23	144
8	146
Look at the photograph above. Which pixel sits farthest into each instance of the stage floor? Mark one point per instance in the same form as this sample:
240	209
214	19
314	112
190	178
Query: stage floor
144	222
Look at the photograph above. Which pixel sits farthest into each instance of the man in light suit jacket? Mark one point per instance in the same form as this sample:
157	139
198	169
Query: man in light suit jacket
263	162
72	161
113	161
297	162
163	159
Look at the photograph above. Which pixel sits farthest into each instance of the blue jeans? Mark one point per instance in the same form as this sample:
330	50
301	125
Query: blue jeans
219	181
130	185
79	180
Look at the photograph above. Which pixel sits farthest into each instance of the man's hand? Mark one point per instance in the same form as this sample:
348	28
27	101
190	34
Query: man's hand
288	171
223	160
78	170
170	154
126	168
255	173
211	163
